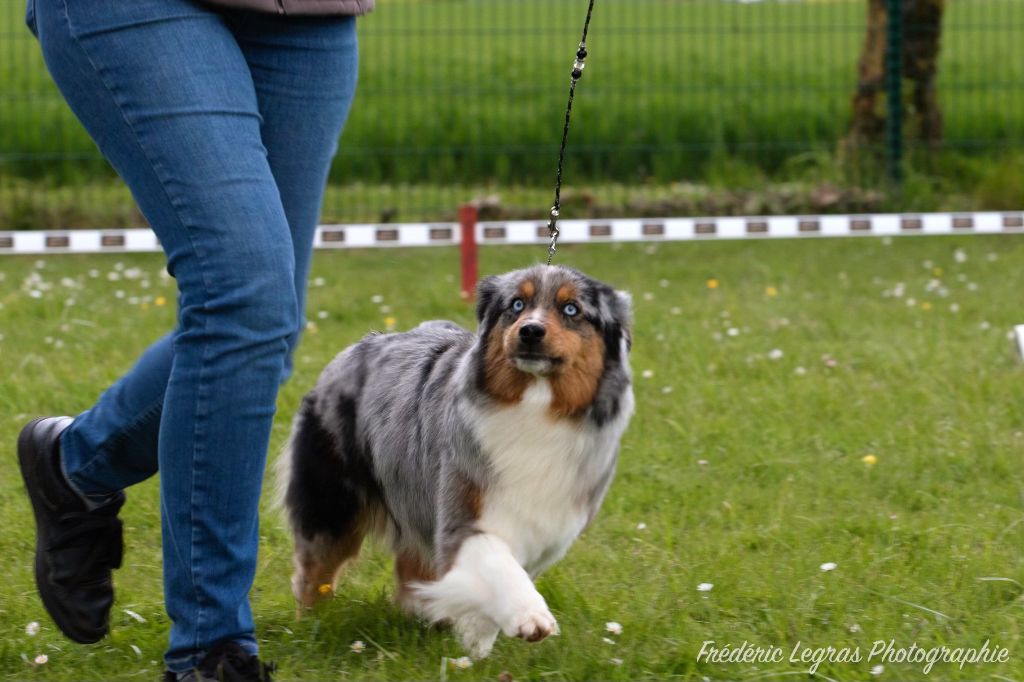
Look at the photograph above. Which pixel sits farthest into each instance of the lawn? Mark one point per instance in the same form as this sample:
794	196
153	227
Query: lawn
852	405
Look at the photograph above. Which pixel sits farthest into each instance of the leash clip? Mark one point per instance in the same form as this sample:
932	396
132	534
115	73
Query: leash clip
553	229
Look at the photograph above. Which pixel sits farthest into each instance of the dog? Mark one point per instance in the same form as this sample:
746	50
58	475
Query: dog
477	458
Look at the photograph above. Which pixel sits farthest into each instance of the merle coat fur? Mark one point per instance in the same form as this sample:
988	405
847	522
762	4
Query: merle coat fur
432	437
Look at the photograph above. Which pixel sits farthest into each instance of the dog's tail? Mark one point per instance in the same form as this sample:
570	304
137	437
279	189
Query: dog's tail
323	482
293	460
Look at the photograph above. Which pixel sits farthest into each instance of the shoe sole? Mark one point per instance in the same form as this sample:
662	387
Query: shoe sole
26	454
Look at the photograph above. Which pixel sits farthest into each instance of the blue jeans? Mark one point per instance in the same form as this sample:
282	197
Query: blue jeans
223	124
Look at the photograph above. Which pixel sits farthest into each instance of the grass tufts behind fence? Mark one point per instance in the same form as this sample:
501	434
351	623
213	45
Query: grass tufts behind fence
463	92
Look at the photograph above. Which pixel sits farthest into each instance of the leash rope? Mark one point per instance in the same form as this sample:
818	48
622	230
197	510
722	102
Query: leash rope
577	71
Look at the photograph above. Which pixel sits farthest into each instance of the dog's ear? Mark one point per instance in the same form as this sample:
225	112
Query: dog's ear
616	320
624	313
486	291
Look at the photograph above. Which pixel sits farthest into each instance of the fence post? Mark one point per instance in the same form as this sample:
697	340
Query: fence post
894	90
467	223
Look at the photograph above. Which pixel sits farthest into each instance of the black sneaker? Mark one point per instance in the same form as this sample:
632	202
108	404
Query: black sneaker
76	549
226	662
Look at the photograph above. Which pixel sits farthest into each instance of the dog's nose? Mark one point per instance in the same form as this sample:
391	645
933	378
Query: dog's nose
531	333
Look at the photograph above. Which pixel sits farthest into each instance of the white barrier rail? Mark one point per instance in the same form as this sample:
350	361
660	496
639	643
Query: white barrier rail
572	231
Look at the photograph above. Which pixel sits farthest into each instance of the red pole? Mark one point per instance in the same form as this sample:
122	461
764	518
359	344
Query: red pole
467	221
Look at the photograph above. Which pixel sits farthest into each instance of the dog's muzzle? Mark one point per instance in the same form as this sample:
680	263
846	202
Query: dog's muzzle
531	356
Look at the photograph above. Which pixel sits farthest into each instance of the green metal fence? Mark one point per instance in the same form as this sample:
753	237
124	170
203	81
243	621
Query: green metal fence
685	106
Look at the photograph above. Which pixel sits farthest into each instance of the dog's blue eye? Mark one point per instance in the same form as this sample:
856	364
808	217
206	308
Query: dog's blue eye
518	305
570	309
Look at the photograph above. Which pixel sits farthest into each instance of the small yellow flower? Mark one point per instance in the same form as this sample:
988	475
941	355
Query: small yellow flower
869	460
937	271
771	292
390	322
325	588
160	300
712	283
926	306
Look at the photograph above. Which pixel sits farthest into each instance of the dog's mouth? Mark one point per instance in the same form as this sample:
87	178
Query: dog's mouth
535	363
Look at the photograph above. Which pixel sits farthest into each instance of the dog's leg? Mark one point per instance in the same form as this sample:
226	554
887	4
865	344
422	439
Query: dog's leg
318	561
328	494
410	570
486	590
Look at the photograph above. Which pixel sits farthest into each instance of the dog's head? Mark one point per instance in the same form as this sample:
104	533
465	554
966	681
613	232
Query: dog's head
556	323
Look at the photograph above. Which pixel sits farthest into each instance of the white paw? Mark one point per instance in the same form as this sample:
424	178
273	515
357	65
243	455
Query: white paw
477	634
533	624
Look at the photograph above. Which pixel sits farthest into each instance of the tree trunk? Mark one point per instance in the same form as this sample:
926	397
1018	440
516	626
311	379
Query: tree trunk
922	22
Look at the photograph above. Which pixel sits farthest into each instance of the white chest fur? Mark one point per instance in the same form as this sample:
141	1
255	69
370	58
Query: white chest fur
544	473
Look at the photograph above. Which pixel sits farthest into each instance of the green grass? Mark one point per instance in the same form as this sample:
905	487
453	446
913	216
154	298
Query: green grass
746	470
456	91
818	185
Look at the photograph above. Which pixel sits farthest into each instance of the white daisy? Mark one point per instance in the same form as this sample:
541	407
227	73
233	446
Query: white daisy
132	614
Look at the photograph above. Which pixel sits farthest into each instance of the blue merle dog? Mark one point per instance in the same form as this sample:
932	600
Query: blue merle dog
477	458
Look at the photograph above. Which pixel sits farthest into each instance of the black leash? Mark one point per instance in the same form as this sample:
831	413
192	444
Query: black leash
577	71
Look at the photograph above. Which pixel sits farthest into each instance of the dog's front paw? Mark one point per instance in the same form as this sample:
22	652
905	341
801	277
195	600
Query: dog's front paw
533	624
477	633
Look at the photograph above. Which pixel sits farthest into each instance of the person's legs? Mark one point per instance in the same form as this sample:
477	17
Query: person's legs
113	445
163	88
304	72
